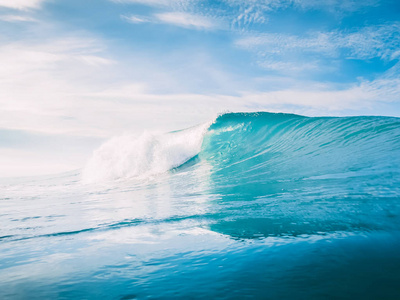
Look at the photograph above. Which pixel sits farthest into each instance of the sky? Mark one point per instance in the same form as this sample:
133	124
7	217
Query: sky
75	73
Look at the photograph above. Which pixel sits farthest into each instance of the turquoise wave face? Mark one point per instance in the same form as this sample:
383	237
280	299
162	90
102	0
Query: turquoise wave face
268	206
282	146
297	175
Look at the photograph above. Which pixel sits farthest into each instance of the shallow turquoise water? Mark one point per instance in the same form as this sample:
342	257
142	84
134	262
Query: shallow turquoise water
274	206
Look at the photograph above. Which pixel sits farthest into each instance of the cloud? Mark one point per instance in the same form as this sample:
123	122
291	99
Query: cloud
242	14
175	4
186	20
335	6
21	4
39	82
276	49
289	67
276	43
248	12
16	18
368	42
136	19
180	19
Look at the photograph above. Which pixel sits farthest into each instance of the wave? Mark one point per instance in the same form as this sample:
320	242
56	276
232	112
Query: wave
142	156
292	146
274	146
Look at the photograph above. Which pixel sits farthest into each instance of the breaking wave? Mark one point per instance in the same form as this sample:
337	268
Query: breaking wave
266	146
144	155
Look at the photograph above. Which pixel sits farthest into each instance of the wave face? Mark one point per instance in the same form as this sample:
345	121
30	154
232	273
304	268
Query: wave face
251	205
278	147
317	174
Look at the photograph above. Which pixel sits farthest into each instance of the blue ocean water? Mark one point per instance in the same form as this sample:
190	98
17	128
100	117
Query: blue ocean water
251	205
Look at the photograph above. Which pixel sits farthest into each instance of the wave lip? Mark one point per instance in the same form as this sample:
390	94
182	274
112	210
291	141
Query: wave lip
144	155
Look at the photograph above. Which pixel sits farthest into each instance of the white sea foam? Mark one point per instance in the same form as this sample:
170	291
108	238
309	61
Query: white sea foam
144	155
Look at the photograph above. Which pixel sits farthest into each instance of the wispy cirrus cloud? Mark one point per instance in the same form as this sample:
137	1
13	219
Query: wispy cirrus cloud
186	20
248	12
180	19
136	19
21	4
16	18
365	43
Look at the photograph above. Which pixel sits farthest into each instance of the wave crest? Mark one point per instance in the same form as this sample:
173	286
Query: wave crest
144	155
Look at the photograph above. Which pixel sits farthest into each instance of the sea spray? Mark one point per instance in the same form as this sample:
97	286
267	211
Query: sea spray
144	155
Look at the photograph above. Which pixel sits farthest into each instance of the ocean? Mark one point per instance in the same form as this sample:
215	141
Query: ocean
246	206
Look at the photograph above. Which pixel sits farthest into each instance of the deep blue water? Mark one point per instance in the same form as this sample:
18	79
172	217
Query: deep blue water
269	206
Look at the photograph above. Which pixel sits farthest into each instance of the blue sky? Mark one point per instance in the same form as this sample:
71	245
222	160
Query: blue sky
77	72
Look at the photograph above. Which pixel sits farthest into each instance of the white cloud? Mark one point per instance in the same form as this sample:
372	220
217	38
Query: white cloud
289	67
186	20
39	82
136	19
276	43
180	19
369	42
21	4
16	18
